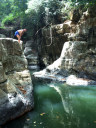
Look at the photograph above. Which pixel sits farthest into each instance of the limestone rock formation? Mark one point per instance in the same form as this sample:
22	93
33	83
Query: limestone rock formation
81	27
78	56
16	90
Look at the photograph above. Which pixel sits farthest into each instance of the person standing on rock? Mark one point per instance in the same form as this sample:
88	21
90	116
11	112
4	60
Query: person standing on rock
19	34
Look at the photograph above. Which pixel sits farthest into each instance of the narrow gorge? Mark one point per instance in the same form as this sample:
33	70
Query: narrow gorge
48	80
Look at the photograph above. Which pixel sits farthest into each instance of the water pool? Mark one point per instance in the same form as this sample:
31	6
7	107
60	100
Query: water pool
58	105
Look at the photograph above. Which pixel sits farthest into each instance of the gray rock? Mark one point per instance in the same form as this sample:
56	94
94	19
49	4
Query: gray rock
74	81
2	36
16	89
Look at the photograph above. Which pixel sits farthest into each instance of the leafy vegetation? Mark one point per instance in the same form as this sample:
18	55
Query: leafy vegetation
10	10
35	14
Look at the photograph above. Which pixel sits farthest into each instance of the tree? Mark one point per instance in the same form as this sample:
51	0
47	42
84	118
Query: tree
5	8
10	10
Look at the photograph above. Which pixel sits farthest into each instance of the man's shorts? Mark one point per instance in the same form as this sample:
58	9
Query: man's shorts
17	33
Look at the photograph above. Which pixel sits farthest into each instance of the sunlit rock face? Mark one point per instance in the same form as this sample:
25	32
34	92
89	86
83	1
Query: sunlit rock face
16	90
78	54
77	57
75	81
81	27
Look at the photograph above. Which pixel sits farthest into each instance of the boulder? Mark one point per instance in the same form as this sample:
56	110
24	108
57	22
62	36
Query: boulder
77	57
75	81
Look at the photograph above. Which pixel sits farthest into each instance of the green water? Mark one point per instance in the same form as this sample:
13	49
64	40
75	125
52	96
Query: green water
60	106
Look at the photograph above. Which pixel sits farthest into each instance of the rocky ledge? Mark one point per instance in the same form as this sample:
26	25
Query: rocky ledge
71	80
16	89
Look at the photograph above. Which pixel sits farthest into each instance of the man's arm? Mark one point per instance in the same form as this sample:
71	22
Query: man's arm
22	32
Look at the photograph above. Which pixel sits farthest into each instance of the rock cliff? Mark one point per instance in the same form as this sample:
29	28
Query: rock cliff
16	90
54	36
78	56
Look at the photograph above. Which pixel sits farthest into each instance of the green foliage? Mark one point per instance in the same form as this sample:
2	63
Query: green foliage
8	20
39	13
19	7
34	5
45	8
12	9
42	13
33	21
5	8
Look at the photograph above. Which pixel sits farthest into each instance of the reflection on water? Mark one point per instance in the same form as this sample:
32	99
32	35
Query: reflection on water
60	106
65	104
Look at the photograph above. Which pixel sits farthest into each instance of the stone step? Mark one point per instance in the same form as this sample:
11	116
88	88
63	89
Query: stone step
31	56
33	67
32	63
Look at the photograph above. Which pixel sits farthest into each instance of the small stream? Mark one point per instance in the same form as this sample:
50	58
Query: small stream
58	105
